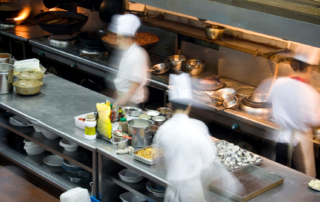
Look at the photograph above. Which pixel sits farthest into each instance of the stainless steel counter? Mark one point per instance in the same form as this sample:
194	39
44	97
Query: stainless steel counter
293	189
24	32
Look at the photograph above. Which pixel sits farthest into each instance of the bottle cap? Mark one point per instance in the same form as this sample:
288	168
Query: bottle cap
123	119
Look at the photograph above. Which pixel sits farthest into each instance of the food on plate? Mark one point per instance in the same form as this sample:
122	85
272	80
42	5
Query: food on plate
210	80
150	153
233	157
315	184
82	119
142	38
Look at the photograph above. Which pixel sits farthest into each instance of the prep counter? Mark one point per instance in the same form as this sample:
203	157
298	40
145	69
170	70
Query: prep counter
55	108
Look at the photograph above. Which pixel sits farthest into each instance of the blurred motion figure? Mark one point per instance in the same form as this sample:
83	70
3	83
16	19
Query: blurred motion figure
189	152
132	76
296	108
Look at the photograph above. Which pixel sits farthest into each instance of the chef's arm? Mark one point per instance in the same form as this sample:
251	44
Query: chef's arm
133	88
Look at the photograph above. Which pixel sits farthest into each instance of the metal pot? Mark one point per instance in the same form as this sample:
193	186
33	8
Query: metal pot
6	58
194	67
140	132
6	78
159	120
28	87
160	68
214	32
265	112
244	92
176	61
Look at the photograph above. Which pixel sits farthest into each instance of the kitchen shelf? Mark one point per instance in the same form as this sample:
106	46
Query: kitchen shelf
226	41
136	188
34	163
51	145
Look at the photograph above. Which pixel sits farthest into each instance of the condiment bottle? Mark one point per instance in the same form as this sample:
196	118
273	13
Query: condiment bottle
120	113
90	127
123	125
115	108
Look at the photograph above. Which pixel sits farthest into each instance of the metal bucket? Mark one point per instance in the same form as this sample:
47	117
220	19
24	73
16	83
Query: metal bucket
140	132
6	78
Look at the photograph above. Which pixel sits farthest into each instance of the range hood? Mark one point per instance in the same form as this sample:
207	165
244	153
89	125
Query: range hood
294	20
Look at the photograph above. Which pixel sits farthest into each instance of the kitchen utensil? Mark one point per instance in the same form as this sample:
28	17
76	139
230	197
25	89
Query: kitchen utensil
144	116
245	91
92	39
209	87
194	66
256	111
68	146
53	160
34	150
48	134
6	78
10	10
254	180
139	129
176	61
214	32
130	176
230	102
127	110
223	93
121	144
28	87
159	120
130	197
79	20
135	113
258	98
160	68
153	113
256	104
164	111
6	58
27	75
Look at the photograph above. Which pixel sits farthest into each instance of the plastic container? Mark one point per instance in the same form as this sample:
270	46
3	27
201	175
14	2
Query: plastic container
121	145
79	123
75	195
93	199
27	65
123	125
90	129
34	150
48	134
68	146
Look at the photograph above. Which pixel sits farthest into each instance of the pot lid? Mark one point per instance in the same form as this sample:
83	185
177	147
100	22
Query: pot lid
30	75
28	83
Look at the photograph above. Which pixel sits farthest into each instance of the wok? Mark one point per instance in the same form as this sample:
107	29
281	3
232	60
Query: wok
91	39
108	8
43	18
9	10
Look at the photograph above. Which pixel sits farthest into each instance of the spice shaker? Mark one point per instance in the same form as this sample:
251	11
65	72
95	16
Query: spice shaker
90	127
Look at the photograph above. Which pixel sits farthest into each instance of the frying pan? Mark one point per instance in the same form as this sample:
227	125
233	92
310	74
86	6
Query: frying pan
91	39
9	10
42	18
108	8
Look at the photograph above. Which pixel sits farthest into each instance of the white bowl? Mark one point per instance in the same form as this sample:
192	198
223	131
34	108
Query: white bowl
130	197
130	176
49	134
35	150
38	129
53	160
68	146
29	143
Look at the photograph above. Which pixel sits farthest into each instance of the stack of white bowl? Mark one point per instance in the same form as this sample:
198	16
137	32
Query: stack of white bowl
130	176
68	146
32	148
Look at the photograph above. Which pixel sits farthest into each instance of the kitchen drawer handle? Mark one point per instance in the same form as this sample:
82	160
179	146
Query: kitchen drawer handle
41	53
73	65
234	126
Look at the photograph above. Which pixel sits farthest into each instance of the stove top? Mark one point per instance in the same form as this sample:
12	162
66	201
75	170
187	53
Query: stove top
93	53
62	41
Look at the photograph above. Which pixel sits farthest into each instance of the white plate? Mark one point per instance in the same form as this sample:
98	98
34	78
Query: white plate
16	123
53	160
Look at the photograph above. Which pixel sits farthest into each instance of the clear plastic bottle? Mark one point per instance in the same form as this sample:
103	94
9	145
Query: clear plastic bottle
90	128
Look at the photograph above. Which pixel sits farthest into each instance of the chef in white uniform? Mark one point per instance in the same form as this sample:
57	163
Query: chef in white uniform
296	107
133	69
189	150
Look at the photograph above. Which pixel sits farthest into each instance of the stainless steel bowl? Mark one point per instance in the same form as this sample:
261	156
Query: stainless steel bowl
139	130
214	32
230	102
223	93
258	97
160	68
166	112
176	61
261	112
127	110
135	113
194	66
159	120
244	92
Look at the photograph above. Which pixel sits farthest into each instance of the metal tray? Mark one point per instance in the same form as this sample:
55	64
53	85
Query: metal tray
146	161
232	170
255	181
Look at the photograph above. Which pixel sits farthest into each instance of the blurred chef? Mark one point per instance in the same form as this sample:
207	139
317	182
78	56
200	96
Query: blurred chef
189	150
296	108
132	76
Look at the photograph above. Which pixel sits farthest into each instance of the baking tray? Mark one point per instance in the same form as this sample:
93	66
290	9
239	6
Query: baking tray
231	169
255	181
146	161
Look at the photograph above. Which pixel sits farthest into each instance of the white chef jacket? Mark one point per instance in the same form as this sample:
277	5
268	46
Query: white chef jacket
133	68
296	105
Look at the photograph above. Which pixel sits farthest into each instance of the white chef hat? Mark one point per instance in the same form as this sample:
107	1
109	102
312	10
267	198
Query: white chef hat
126	25
180	88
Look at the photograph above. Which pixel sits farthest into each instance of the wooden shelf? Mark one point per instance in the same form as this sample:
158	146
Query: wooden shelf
229	42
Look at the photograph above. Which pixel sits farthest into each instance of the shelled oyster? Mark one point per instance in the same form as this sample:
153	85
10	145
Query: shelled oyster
234	157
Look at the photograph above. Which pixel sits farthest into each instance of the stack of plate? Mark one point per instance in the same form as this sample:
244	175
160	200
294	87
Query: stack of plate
156	189
32	148
130	176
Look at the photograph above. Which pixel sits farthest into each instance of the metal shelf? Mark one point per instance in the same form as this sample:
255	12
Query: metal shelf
51	145
136	188
34	163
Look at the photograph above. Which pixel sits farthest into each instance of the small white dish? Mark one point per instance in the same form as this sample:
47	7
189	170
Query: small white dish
34	150
153	113
29	143
129	174
130	197
68	146
53	160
